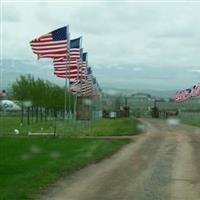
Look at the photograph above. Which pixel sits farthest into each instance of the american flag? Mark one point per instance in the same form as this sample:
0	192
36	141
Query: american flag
85	60
195	90
96	89
72	69
198	90
52	45
81	65
75	85
184	95
187	94
87	89
81	87
84	86
63	70
178	96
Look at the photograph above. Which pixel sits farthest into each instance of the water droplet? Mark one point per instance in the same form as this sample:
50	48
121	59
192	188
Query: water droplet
173	122
55	155
35	149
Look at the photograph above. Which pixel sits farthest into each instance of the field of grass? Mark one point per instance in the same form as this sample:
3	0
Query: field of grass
121	126
29	164
9	123
193	122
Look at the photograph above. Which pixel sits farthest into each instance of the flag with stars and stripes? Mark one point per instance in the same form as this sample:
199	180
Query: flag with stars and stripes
72	69
195	90
52	45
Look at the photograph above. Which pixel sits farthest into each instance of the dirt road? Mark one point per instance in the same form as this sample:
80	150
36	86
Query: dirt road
162	164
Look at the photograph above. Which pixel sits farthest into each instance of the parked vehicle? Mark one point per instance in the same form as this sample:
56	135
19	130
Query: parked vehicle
7	105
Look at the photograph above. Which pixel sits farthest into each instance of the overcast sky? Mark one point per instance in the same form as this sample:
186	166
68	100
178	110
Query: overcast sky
131	45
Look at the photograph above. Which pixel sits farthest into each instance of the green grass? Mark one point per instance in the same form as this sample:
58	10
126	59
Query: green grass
8	124
121	126
113	127
28	165
193	122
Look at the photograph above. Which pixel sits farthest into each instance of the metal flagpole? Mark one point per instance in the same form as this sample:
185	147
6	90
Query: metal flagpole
66	85
65	103
76	94
69	96
75	103
79	75
78	68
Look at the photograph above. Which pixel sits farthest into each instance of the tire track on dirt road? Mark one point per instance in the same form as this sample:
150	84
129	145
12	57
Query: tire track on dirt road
161	164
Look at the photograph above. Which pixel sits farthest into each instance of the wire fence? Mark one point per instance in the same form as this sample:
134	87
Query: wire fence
187	109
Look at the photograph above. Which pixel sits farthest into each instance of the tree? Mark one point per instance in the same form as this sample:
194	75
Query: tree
43	95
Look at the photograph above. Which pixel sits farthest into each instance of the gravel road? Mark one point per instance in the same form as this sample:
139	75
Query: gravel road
161	164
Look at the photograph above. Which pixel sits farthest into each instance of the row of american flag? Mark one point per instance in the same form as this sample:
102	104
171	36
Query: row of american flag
186	94
69	60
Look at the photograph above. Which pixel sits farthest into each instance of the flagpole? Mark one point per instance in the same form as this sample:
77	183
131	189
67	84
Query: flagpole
67	67
65	88
65	103
69	98
76	94
75	106
80	75
79	78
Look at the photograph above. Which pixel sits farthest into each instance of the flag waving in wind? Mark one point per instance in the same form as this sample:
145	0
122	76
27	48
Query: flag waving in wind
196	90
85	61
69	60
52	45
184	95
72	70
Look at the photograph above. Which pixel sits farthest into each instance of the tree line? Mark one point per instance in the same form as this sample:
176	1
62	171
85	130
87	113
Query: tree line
40	99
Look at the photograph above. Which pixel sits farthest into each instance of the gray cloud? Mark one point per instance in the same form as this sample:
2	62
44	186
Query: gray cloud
195	70
10	13
148	41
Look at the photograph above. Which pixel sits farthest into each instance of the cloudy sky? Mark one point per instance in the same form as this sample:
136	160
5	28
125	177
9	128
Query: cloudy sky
146	45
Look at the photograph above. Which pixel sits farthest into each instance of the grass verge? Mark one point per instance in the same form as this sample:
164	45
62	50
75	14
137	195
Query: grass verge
28	165
193	122
112	127
104	127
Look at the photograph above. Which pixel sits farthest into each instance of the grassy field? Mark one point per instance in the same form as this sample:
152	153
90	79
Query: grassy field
9	123
121	126
193	122
28	165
